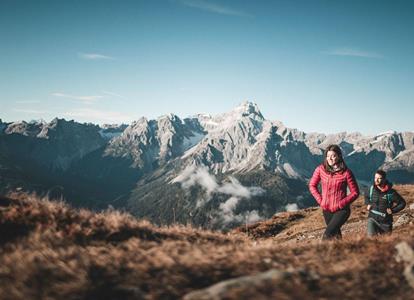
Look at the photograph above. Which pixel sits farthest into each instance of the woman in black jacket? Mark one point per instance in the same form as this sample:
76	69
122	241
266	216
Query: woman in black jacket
383	201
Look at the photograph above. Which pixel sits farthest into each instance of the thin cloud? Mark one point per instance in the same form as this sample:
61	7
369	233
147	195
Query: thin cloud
31	111
95	56
85	99
214	8
113	94
353	52
27	102
99	116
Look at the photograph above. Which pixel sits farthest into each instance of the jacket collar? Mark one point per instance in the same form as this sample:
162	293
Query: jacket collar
385	188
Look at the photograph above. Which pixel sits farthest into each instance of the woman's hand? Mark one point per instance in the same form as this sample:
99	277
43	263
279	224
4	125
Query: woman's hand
369	207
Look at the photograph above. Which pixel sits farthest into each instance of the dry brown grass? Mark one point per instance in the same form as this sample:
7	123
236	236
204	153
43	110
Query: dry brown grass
51	251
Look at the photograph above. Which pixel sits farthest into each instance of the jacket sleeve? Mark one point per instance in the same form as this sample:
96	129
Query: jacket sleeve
313	185
353	189
396	198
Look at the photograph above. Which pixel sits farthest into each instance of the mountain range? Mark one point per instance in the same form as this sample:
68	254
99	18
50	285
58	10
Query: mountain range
211	171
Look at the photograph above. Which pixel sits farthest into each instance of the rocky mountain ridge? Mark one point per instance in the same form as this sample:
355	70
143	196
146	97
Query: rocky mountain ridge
237	141
138	166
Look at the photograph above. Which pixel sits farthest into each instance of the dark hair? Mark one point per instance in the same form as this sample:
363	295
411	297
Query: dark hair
337	150
382	173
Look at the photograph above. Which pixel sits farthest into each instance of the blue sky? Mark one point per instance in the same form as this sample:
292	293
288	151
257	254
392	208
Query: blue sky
324	66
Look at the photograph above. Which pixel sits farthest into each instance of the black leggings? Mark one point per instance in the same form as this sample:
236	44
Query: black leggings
334	221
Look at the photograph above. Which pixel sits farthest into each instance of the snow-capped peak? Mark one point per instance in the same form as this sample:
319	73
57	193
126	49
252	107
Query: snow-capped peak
172	117
386	133
245	109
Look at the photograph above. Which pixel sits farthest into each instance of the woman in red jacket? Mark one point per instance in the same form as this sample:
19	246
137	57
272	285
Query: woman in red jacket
335	178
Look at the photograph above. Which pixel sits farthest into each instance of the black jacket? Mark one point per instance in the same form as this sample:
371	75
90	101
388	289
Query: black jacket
379	202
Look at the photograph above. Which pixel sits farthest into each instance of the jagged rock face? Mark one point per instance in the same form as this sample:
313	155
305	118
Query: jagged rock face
408	139
226	147
317	142
3	126
71	140
53	145
242	141
388	143
404	158
194	125
390	151
229	140
27	129
151	143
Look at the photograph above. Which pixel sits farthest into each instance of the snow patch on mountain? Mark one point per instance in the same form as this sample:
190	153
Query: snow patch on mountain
221	122
386	133
289	170
193	140
31	129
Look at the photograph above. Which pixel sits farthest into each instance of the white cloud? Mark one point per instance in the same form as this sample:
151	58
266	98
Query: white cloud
89	99
112	94
193	175
84	99
292	207
199	175
247	217
230	204
353	52
99	116
235	188
95	56
213	7
253	216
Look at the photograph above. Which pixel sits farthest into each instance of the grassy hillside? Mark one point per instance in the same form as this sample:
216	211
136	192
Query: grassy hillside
51	251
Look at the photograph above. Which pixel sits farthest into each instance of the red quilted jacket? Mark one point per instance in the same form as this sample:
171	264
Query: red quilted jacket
334	187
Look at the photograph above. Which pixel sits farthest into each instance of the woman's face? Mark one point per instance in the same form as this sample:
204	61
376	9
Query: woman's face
332	158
